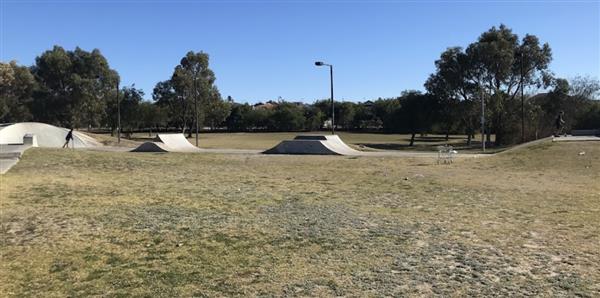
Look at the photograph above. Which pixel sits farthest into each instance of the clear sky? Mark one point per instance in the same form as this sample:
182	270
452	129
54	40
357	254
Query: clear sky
262	50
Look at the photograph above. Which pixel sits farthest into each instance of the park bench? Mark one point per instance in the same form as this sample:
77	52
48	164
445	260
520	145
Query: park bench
445	154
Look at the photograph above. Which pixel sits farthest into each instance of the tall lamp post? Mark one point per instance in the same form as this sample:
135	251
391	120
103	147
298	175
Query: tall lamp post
118	115
522	102
482	117
319	63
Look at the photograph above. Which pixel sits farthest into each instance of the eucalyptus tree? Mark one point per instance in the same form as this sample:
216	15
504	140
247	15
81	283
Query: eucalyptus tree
16	89
217	110
504	68
194	80
131	116
74	87
495	68
455	94
415	113
177	106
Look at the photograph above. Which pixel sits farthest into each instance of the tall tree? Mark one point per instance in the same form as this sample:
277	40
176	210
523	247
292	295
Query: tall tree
177	106
217	110
499	65
16	89
344	114
287	116
585	87
449	87
503	66
74	87
131	116
193	79
415	113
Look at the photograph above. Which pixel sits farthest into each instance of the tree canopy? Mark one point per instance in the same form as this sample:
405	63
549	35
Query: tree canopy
78	88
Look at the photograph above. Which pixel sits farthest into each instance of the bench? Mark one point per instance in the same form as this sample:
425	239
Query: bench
445	154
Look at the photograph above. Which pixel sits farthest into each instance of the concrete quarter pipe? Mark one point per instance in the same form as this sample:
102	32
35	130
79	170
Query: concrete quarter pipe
168	143
314	145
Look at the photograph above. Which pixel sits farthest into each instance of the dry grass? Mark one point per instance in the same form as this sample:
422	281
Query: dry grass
525	222
108	140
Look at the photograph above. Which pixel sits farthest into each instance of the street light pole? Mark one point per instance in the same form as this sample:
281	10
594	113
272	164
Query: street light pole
482	118
118	115
522	102
196	109
332	104
319	63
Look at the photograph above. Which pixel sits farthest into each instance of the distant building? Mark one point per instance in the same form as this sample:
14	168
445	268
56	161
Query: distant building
269	105
367	103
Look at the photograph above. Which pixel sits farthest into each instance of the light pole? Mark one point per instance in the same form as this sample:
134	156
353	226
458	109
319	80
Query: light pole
482	118
118	115
522	102
319	63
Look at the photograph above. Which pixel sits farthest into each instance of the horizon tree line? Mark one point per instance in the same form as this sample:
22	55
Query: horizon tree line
79	89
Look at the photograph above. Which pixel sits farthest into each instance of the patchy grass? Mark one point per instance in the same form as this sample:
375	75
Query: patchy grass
79	223
108	140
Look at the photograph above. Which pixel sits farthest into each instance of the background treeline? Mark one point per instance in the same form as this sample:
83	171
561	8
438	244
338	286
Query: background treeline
78	89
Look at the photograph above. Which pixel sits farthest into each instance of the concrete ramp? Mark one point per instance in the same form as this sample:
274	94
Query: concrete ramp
46	135
339	146
15	138
177	143
168	143
314	145
152	147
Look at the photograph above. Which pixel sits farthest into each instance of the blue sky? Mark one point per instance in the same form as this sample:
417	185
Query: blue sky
263	50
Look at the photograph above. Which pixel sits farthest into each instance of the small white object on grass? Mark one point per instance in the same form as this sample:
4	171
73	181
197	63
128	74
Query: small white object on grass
581	153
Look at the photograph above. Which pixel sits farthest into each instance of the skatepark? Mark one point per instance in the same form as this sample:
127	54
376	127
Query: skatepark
15	139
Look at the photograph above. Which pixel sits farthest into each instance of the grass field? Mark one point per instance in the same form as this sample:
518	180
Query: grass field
362	141
523	222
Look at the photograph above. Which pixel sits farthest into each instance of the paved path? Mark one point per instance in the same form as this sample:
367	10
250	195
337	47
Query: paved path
255	152
201	150
575	139
10	155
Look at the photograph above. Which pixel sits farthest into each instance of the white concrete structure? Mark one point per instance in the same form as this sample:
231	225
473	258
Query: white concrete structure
315	145
152	147
47	135
18	137
168	143
177	142
30	140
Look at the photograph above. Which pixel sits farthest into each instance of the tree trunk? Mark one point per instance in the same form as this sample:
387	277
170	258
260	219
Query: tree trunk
412	139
